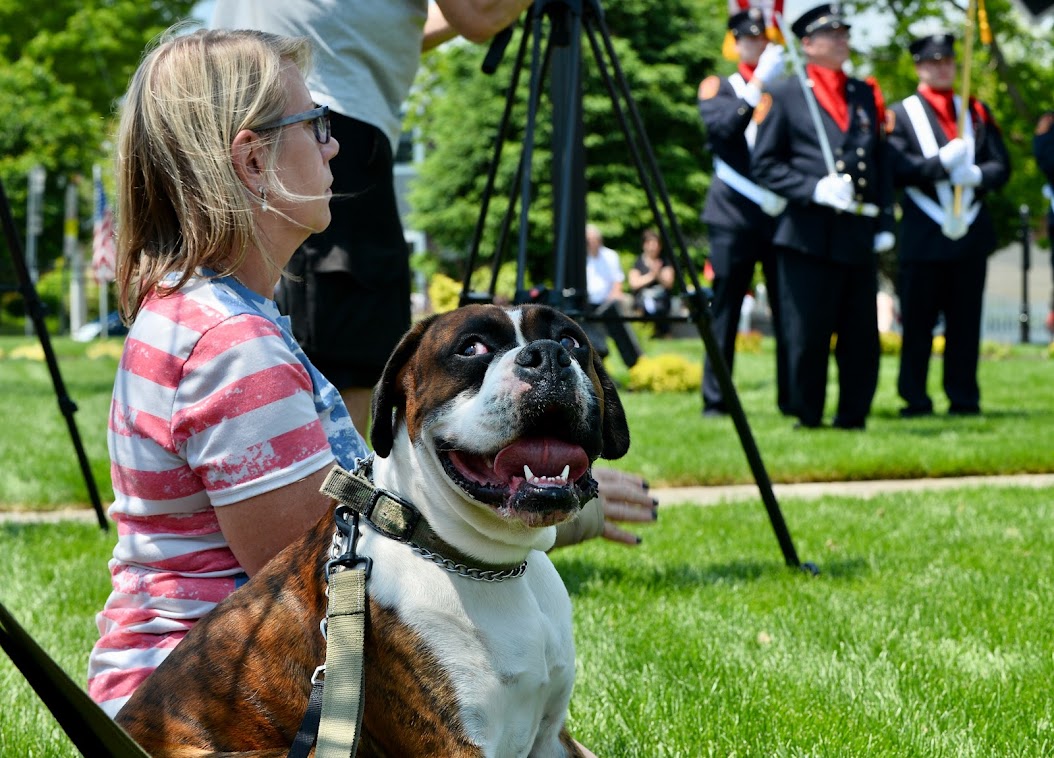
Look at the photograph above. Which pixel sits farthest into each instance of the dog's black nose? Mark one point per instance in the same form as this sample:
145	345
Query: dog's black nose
544	355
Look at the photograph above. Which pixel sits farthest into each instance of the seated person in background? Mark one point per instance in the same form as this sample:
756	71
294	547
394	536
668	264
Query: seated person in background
604	279
651	281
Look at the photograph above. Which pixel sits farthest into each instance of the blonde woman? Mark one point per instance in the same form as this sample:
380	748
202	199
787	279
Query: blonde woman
221	430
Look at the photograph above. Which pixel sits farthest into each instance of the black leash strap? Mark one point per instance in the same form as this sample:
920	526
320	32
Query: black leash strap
305	738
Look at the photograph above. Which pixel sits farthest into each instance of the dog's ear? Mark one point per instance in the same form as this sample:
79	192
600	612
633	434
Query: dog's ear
389	396
616	428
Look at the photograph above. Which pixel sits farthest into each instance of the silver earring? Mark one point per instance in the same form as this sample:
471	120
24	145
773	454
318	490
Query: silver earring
263	200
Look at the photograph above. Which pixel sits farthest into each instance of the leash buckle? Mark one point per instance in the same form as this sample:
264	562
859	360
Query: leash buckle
315	676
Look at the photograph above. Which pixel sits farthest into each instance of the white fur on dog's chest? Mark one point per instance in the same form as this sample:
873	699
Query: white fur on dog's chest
507	646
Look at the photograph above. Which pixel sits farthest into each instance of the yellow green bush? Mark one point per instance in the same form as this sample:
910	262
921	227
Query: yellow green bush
665	373
890	343
748	342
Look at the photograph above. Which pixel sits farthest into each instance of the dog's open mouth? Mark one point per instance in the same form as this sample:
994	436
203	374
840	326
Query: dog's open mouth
539	480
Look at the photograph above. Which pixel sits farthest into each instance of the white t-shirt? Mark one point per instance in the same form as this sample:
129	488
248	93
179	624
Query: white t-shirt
213	403
603	270
366	51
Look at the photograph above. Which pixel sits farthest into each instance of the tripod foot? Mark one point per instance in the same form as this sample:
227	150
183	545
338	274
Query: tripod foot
810	568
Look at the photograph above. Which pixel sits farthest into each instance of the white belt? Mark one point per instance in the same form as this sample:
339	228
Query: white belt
766	199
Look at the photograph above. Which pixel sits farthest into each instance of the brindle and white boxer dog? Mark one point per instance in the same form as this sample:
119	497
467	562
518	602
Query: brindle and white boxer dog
488	420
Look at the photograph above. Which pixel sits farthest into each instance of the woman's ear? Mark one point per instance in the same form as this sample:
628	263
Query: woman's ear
248	158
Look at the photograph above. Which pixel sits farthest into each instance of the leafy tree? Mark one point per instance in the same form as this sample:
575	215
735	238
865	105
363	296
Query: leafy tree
664	48
63	64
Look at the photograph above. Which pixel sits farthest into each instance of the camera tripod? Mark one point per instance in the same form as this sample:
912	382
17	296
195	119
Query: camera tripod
562	54
35	310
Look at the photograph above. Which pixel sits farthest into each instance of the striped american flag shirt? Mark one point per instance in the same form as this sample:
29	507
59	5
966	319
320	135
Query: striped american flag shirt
214	402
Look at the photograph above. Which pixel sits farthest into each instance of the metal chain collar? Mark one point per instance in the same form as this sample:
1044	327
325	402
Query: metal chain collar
470	572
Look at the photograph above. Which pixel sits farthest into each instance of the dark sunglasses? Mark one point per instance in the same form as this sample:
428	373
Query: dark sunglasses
319	118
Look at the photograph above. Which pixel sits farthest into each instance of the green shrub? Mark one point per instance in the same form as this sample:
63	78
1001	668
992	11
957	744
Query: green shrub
443	293
665	373
890	343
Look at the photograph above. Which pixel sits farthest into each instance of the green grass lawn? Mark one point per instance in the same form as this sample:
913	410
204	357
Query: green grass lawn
672	443
926	633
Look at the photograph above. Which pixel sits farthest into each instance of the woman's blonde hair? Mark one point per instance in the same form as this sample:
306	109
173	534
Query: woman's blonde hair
180	203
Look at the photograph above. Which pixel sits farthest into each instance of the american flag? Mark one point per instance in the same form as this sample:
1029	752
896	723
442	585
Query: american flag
104	253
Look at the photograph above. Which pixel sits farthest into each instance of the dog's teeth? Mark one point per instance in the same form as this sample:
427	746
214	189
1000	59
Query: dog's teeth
565	473
527	473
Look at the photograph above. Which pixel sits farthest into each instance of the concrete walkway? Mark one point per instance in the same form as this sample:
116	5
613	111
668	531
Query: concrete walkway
859	489
668	496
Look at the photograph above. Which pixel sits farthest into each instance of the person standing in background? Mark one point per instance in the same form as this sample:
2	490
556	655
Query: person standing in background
837	218
1043	150
349	300
943	256
738	212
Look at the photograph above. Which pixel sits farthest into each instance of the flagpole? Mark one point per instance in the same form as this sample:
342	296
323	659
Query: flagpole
964	97
104	285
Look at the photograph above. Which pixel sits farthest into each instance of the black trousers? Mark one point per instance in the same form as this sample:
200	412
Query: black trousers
350	301
927	289
821	298
733	256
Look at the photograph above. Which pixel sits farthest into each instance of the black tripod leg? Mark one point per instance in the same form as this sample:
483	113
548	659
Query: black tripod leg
683	263
492	173
35	311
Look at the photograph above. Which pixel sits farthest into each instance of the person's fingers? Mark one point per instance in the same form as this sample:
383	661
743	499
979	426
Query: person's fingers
616	511
613	533
629	494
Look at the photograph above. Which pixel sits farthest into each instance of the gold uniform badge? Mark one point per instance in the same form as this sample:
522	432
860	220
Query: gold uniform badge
763	107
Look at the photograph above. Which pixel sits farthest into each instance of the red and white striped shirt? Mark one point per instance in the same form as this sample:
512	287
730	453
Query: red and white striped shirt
213	403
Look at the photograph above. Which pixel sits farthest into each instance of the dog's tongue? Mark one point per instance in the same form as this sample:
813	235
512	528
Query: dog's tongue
545	456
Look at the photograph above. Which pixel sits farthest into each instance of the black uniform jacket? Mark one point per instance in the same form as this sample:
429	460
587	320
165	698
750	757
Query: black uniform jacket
920	237
726	117
788	160
1043	150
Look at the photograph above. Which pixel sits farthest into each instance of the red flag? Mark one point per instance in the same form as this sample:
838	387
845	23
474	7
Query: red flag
104	252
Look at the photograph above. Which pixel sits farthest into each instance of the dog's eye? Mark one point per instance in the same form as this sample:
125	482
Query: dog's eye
474	348
570	342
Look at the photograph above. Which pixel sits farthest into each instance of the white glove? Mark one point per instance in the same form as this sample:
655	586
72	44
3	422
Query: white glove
834	190
770	65
958	152
773	204
884	241
966	176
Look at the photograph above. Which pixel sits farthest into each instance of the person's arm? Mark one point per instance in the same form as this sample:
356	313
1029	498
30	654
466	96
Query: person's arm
638	279
437	29
479	20
666	276
258	528
244	416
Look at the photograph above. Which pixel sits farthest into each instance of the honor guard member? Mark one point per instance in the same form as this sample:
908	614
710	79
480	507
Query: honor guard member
1043	150
740	213
838	216
943	255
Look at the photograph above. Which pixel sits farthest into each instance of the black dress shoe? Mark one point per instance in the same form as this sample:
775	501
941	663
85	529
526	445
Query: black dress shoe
964	410
808	425
915	411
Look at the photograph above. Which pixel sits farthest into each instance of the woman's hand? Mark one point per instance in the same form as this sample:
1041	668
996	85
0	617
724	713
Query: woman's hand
623	498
